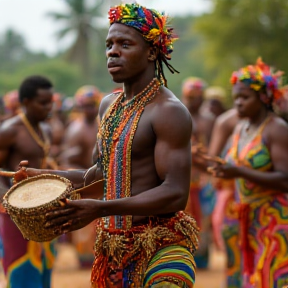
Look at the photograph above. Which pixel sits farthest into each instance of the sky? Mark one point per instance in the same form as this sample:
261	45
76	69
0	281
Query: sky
29	18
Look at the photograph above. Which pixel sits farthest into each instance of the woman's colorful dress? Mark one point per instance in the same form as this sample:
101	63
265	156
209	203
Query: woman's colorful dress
263	214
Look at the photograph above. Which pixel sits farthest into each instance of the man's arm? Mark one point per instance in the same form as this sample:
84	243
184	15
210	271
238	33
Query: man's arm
173	129
75	176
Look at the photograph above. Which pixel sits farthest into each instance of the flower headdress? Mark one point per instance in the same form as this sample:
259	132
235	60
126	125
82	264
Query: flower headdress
192	83
87	94
260	76
153	27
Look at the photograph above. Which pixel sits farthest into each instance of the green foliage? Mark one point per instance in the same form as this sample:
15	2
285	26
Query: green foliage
185	57
79	20
237	32
210	46
65	77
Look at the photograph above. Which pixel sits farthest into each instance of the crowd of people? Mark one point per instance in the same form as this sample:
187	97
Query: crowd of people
179	172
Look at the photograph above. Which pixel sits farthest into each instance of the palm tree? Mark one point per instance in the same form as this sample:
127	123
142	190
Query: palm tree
79	20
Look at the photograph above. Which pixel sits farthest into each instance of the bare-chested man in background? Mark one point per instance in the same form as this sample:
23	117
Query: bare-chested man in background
78	143
26	136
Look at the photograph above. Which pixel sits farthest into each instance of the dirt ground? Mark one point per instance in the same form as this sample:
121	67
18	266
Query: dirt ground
68	275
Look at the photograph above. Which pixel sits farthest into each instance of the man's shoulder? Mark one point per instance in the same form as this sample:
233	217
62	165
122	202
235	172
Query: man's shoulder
107	100
170	112
11	124
167	101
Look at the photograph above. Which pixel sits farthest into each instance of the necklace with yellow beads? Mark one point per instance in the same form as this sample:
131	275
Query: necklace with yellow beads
115	138
45	145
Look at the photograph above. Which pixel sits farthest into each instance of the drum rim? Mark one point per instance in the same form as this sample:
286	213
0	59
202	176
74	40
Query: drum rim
37	209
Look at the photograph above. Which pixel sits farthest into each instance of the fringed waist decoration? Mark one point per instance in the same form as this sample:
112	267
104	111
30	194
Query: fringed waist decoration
115	248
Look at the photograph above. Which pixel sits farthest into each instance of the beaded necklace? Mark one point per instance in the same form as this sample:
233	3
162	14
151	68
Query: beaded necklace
45	145
116	133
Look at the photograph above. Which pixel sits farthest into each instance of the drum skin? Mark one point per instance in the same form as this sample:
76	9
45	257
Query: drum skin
31	219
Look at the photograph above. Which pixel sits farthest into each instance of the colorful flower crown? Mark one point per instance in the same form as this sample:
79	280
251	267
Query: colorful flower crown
149	22
260	76
192	83
87	94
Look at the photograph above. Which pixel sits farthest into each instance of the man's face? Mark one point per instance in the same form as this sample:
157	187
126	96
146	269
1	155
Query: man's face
246	100
194	99
127	53
90	110
40	106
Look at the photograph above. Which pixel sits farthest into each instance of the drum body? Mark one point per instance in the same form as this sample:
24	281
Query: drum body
28	201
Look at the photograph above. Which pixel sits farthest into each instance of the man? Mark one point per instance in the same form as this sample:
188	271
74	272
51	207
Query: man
202	196
26	263
57	126
80	136
78	143
215	97
144	153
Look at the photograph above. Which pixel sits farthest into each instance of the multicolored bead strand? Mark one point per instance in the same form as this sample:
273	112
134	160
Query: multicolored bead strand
115	140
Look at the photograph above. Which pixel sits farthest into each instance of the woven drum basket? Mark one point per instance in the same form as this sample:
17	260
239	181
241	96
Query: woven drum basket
30	217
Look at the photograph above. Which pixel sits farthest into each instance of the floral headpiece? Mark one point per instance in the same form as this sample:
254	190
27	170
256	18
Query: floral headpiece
87	94
191	84
260	76
149	22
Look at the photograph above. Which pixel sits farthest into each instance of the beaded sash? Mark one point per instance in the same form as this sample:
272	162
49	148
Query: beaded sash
115	137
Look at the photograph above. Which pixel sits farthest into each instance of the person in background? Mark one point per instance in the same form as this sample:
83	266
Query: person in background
57	127
281	105
12	104
77	147
225	222
80	135
201	197
215	97
27	264
257	160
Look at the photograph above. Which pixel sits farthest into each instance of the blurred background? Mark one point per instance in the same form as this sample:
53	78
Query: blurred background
65	40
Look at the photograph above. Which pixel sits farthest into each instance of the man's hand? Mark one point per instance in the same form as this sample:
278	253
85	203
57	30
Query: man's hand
72	215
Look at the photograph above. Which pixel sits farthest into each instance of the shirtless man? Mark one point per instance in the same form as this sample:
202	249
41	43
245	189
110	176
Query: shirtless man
80	136
25	136
145	157
57	127
78	143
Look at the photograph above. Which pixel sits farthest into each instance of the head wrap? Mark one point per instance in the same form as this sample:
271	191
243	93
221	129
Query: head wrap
215	92
192	84
11	101
87	94
260	76
150	23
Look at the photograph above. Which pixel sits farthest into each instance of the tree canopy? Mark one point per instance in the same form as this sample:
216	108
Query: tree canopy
237	32
210	46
